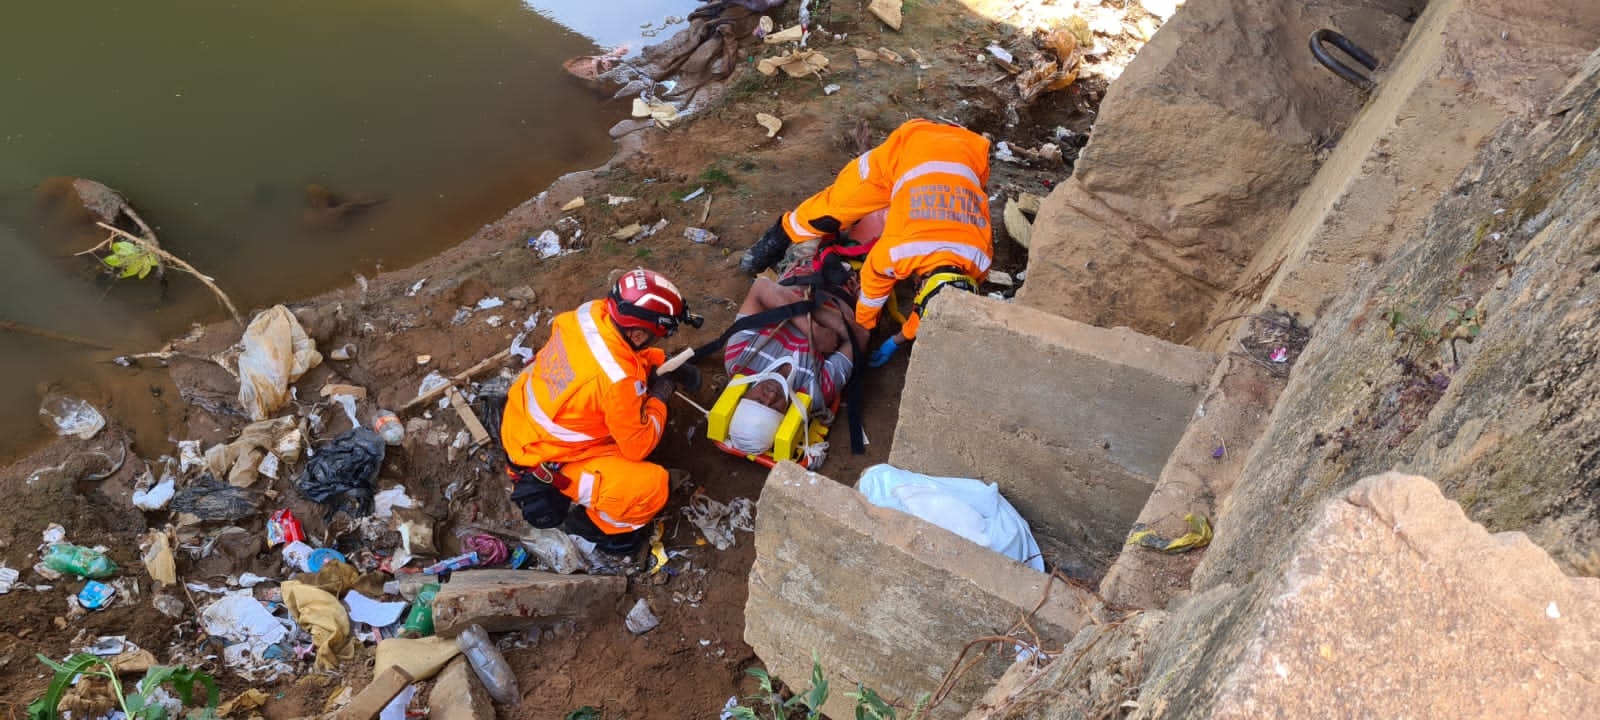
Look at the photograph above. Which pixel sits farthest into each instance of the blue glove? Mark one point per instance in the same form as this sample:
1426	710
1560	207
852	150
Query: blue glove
883	353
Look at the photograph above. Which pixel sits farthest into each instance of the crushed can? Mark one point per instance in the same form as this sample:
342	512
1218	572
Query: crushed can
283	527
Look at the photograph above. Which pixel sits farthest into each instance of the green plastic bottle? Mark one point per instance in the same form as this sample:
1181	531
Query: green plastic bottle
69	559
419	622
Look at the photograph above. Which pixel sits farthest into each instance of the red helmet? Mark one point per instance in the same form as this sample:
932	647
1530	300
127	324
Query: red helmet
647	300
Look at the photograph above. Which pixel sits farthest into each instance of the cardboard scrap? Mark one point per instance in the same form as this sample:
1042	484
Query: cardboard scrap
1017	214
795	64
573	204
664	114
788	34
771	123
888	11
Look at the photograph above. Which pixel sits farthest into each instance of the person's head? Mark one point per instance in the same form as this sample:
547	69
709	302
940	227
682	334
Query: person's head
757	416
647	307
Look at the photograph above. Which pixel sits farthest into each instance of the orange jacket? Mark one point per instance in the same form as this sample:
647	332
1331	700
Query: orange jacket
931	177
583	396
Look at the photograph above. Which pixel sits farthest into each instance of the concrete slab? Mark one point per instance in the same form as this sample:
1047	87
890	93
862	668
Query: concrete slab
459	695
885	599
1073	422
502	600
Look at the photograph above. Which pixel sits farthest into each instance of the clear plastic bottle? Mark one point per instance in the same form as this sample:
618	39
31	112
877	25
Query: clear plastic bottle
388	425
489	665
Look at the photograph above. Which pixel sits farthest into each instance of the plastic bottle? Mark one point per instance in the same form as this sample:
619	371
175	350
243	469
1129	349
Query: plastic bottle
459	562
388	425
419	622
78	560
489	665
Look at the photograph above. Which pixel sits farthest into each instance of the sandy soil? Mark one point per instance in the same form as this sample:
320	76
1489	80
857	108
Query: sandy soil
693	662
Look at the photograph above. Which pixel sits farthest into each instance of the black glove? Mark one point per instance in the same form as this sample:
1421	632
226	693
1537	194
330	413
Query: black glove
687	377
661	387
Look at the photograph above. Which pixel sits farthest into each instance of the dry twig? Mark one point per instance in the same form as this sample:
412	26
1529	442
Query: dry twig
169	257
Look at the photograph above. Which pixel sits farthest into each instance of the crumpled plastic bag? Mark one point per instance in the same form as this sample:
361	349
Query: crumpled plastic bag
240	460
718	521
555	550
68	415
970	508
276	353
212	500
342	472
322	615
803	63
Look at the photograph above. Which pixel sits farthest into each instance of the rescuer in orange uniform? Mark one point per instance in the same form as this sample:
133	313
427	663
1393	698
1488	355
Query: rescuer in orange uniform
931	176
583	416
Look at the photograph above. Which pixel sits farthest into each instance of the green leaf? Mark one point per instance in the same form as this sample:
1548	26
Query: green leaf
761	676
587	712
45	707
743	713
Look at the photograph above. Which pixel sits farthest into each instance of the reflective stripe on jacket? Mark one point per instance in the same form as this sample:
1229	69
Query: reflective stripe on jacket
931	177
583	395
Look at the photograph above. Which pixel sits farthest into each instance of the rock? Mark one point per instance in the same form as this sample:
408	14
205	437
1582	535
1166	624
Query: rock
631	125
888	11
458	695
523	292
868	589
502	600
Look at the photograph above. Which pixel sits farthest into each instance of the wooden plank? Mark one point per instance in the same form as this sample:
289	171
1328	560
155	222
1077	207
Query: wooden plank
474	426
371	700
438	392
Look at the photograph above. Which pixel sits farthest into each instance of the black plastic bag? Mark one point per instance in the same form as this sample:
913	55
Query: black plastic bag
342	472
212	500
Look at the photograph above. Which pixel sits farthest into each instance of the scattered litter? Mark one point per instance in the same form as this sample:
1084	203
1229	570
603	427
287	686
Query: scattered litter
547	244
346	351
156	496
489	549
384	503
239	617
793	33
95	595
770	122
208	499
449	564
640	620
628	233
189	455
1005	57
654	228
321	614
1003	153
555	551
573	204
489	303
700	235
372	612
801	63
699	191
718	521
69	559
489	665
663	113
297	555
343	471
156	554
276	353
1199	536
424	359
830	88
1219	452
68	415
1018	214
320	558
1280	355
412	292
1001	278
888	11
887	55
8	578
250	580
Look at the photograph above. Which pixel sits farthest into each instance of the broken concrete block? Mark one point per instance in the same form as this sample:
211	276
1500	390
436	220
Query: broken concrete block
1073	422
885	598
459	695
502	600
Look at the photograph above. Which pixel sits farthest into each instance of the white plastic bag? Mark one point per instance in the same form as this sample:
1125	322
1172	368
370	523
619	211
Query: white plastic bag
68	415
276	353
970	508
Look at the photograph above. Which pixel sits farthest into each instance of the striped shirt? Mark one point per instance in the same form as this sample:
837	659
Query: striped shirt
785	343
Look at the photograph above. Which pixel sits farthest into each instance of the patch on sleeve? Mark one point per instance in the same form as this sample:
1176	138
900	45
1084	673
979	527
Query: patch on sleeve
638	387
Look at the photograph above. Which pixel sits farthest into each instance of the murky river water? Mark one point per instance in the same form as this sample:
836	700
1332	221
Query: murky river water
214	117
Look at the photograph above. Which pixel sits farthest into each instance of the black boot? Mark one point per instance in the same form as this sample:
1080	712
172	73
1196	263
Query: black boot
767	251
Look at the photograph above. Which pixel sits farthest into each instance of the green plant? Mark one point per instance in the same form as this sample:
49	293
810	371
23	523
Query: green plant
641	252
715	175
131	259
138	704
869	704
587	712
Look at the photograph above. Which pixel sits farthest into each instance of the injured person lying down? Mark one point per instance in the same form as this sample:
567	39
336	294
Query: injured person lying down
810	353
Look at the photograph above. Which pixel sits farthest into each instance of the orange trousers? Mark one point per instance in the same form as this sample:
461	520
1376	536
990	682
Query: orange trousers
621	495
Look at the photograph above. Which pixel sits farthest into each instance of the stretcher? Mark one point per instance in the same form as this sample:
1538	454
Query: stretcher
789	443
